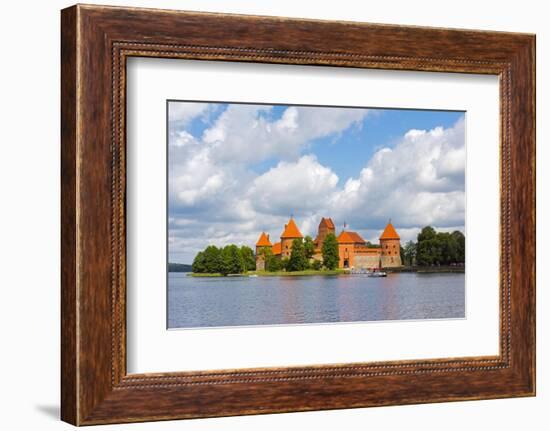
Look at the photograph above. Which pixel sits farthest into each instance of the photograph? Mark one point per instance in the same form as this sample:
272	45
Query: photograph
285	214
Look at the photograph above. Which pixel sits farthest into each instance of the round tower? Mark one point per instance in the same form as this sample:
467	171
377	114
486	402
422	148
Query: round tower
390	245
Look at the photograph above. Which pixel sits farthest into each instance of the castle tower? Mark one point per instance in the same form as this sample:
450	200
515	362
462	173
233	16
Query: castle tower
290	233
390	245
263	242
325	227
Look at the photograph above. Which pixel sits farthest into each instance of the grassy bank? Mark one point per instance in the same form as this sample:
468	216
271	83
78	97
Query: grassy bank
275	273
298	273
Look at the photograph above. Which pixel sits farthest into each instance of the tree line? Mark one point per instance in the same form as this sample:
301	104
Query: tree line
435	248
230	259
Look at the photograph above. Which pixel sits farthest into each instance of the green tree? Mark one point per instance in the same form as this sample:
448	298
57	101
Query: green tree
298	260
460	246
428	250
212	259
273	263
199	265
232	261
284	263
331	257
309	247
409	253
447	248
316	265
426	234
248	257
439	248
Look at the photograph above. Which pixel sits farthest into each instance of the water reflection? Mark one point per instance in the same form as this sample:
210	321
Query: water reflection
238	301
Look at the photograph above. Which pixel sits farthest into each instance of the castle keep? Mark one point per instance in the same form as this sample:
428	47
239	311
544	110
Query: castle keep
354	252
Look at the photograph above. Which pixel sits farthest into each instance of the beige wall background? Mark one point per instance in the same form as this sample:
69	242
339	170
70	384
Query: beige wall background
29	214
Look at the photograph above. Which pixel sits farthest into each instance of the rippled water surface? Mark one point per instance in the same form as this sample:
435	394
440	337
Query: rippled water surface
237	301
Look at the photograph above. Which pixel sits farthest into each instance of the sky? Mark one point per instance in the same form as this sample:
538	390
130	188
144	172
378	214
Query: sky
235	170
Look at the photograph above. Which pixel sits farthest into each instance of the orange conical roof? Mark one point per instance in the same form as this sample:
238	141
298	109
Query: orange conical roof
389	233
291	230
263	241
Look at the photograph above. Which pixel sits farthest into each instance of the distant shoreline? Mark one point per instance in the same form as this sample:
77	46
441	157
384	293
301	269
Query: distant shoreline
179	267
312	272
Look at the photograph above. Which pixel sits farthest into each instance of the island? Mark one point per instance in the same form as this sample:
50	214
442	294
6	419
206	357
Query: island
328	254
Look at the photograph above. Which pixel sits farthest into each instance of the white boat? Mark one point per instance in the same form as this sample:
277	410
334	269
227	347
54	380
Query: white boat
368	272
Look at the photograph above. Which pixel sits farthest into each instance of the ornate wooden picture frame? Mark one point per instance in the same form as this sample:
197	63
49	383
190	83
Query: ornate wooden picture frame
96	41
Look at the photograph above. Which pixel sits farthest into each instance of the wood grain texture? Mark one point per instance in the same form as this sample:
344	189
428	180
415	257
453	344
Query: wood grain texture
69	367
96	41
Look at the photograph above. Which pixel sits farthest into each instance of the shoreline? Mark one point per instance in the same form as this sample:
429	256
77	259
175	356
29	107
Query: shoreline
308	272
337	272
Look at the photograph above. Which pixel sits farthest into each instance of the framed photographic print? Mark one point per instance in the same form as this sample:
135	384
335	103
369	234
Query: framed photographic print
238	171
267	215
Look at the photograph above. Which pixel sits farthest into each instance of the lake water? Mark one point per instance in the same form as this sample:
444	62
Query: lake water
237	301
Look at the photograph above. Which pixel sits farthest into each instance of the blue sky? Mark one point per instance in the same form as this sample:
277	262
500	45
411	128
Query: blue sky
237	169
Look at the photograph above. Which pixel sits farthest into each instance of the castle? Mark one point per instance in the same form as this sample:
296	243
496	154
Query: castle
353	250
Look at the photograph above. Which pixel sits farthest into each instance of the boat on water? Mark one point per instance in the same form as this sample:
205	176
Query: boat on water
375	272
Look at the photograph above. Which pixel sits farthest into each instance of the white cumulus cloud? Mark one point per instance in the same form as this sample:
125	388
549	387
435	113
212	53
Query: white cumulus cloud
419	181
290	186
247	133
